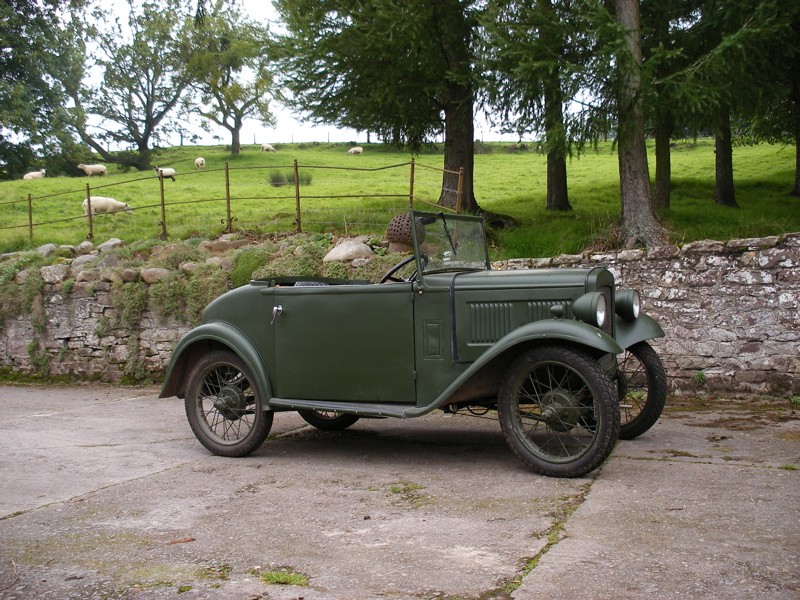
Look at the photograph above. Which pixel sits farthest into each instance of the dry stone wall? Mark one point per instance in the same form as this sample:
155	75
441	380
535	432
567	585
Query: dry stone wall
731	312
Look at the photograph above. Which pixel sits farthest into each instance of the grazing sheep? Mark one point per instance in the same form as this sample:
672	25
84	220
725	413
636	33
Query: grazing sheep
103	205
268	148
356	150
165	173
34	175
199	162
93	169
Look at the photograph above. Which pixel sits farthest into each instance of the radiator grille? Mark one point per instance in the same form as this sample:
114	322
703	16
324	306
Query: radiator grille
489	321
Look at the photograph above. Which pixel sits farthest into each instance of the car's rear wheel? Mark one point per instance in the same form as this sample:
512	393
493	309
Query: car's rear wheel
328	420
642	383
223	405
558	411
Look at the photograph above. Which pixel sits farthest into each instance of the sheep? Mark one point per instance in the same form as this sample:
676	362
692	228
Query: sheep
356	150
103	205
165	173
199	162
34	174
268	148
93	169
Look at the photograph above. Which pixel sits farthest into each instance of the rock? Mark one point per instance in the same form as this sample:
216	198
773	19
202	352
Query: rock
129	275
219	246
222	263
153	275
85	247
348	250
111	244
47	250
54	273
83	261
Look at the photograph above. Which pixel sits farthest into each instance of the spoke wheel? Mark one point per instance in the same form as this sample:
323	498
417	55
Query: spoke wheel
328	420
642	384
223	405
558	411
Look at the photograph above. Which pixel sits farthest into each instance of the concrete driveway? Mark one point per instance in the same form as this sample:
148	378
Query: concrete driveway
105	493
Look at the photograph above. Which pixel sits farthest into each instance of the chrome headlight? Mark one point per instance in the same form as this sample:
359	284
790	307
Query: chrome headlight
628	305
591	308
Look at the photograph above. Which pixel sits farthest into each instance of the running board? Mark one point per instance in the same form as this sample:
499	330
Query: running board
362	409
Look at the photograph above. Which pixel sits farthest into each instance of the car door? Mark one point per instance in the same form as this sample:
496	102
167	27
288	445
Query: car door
344	342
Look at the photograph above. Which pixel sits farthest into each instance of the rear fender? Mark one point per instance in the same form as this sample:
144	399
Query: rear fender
203	339
643	328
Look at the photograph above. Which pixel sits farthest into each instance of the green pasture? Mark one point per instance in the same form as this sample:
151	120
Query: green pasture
349	195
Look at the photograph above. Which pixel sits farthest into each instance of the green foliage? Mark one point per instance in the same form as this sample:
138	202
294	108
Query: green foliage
168	297
285	576
39	357
130	300
207	283
699	378
249	260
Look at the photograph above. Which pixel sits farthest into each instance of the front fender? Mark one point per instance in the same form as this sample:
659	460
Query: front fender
547	330
629	333
204	338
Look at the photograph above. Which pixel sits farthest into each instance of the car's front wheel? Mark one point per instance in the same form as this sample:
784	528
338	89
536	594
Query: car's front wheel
223	405
642	383
328	420
558	411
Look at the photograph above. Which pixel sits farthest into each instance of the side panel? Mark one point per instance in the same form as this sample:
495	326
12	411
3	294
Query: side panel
345	342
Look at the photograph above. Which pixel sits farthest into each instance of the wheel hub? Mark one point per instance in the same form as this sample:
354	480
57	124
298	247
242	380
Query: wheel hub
231	403
560	409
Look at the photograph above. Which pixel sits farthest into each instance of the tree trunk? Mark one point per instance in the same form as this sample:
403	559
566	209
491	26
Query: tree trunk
724	192
459	152
557	194
639	223
663	135
555	136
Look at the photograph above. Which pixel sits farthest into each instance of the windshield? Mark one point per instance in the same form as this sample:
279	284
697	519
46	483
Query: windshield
447	242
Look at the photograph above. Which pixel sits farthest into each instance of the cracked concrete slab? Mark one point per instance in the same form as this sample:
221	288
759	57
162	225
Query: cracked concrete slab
106	494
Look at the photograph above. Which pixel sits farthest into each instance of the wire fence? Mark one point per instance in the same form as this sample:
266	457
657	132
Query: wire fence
38	213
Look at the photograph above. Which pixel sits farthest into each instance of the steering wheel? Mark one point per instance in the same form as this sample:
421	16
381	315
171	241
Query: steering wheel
390	274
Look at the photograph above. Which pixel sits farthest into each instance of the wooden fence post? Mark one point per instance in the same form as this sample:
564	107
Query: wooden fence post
90	236
30	217
163	234
460	191
411	185
297	217
228	222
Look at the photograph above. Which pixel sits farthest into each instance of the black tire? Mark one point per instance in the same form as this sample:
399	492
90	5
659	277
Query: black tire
223	405
558	411
642	383
328	420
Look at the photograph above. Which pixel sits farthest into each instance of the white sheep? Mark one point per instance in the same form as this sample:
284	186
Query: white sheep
103	205
93	169
356	150
165	173
34	174
199	162
268	148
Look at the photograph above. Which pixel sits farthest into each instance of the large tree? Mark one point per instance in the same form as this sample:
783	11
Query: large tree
143	66
31	114
640	226
231	70
400	68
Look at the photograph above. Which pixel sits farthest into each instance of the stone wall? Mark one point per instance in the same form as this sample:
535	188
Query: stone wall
731	312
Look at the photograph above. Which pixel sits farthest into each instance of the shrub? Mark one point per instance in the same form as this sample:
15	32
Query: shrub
247	261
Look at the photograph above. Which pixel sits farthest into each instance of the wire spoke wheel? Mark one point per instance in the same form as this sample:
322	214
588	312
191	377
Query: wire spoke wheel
642	388
224	406
558	411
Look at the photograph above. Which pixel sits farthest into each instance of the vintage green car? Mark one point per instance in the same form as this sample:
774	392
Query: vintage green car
556	354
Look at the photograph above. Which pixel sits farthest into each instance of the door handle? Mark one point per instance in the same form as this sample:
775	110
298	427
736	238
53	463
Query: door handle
277	311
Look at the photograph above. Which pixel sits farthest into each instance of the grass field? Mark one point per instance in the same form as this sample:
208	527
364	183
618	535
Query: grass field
337	199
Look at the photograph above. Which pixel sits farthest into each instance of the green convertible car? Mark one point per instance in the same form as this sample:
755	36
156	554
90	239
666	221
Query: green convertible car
559	355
